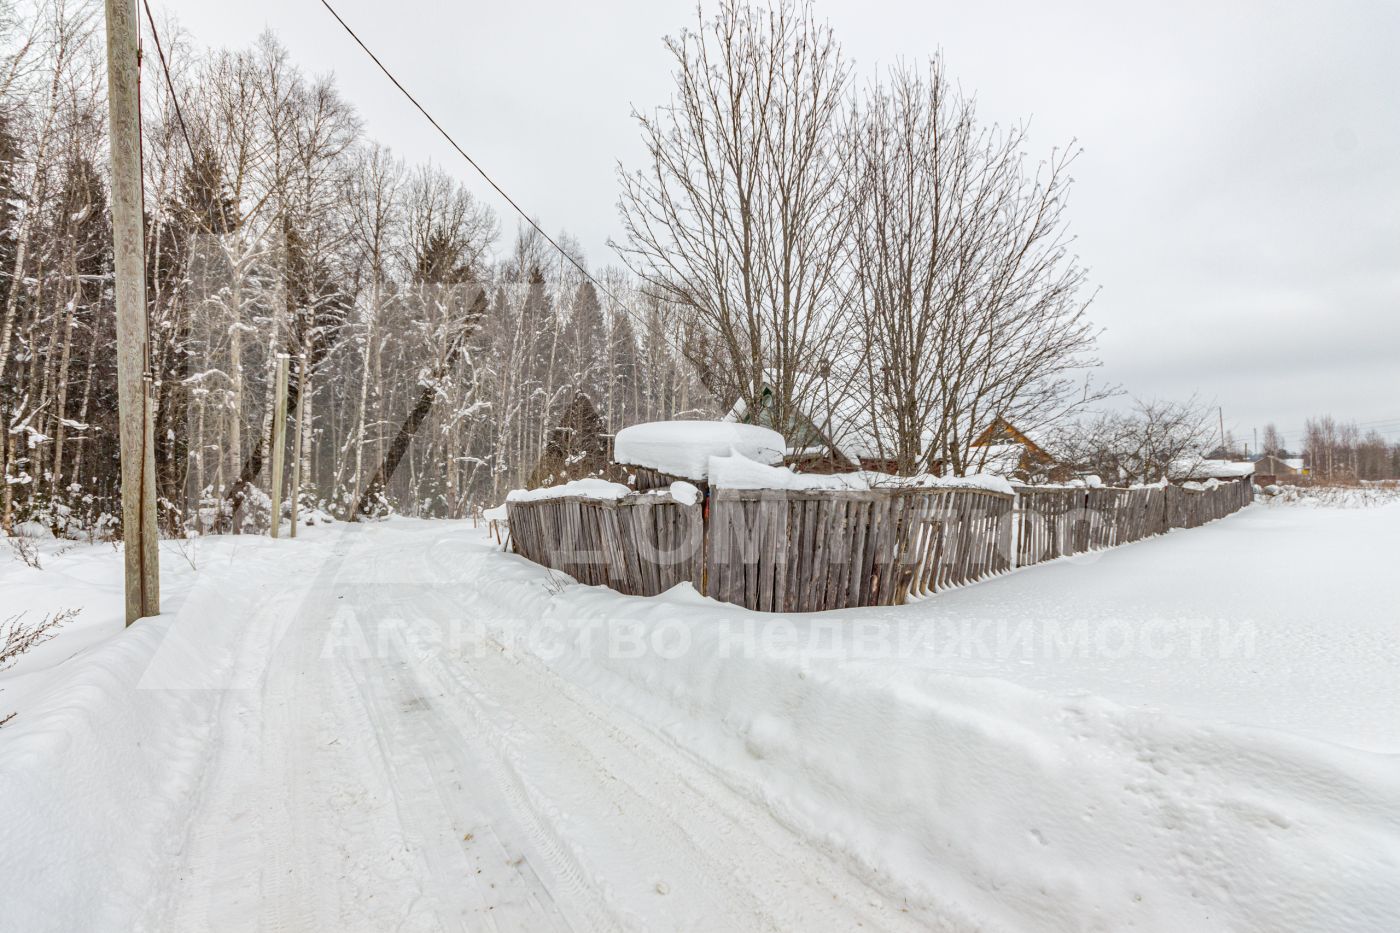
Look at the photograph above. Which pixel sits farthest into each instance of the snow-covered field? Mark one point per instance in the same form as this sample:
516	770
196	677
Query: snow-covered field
396	726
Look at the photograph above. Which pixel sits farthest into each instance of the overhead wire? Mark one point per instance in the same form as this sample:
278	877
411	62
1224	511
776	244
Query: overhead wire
617	303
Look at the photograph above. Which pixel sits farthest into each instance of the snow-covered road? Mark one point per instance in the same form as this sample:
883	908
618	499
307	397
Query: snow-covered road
373	782
397	727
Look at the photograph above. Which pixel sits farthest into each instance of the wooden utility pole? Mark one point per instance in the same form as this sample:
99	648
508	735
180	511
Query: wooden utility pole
133	382
303	386
279	442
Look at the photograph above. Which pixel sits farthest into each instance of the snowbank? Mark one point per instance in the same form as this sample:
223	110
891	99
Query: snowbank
100	768
93	769
1335	497
683	448
590	488
1025	809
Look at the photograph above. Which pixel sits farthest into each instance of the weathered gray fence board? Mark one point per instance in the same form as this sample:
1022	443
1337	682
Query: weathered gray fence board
641	545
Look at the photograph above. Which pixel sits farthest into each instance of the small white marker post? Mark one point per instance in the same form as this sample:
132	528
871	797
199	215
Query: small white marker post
279	441
303	386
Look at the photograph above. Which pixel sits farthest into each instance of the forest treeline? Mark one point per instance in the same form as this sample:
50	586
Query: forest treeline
274	225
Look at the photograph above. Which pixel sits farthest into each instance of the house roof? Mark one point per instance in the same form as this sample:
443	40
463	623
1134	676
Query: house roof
839	415
1002	459
1001	432
1273	464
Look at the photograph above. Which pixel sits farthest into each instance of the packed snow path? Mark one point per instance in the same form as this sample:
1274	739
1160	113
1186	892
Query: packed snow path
364	786
396	726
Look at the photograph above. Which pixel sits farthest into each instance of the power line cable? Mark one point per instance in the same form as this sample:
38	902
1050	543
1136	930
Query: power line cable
169	84
484	174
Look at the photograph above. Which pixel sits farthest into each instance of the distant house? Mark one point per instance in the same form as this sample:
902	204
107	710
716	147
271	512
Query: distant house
578	447
1006	451
835	432
1270	469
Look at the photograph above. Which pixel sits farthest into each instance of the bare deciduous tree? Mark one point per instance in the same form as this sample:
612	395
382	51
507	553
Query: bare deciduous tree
970	302
1151	442
737	216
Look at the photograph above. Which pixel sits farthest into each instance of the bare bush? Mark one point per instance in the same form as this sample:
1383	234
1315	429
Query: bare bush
187	546
24	549
1137	446
17	636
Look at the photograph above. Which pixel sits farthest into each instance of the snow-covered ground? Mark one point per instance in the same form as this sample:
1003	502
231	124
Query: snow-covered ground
396	726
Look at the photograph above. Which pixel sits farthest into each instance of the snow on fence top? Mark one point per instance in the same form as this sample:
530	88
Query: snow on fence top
591	488
987	482
739	472
684	448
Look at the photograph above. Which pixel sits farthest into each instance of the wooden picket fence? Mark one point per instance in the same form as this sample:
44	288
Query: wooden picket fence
640	545
802	551
782	551
1058	522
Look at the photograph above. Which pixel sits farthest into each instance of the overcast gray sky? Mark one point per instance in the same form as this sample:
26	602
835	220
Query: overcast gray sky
1237	202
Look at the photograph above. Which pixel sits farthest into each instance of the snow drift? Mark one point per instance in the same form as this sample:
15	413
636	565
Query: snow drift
1005	806
1030	810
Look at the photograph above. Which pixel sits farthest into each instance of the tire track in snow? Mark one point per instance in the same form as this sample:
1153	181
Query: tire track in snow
540	725
431	762
439	791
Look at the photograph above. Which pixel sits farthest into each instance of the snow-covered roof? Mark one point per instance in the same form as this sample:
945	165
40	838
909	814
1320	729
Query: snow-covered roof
845	418
839	412
1211	469
1294	462
684	448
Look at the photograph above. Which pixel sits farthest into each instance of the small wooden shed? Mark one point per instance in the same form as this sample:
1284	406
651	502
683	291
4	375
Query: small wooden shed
1269	469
